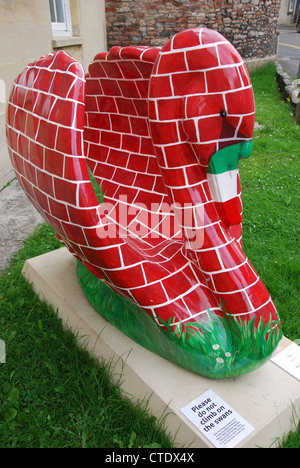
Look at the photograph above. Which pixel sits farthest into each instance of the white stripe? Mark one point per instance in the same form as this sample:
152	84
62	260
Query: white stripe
223	187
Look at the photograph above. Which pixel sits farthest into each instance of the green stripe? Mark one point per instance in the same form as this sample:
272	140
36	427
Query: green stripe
227	159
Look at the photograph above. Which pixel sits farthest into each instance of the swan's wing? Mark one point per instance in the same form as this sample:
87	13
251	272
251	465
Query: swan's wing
119	144
45	118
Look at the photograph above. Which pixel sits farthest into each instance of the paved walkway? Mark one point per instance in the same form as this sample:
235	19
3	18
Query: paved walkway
289	50
18	219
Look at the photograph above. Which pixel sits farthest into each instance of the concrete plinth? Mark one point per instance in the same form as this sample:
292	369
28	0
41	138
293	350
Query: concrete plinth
269	398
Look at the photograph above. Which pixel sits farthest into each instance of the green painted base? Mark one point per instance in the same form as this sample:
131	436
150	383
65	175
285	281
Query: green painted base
218	348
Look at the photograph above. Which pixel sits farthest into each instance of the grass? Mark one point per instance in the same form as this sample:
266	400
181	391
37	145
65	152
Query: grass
53	394
218	347
271	197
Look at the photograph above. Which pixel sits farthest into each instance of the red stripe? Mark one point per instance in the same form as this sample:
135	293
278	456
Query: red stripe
230	211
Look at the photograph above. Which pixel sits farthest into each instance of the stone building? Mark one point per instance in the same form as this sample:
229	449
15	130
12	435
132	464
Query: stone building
32	28
288	13
251	25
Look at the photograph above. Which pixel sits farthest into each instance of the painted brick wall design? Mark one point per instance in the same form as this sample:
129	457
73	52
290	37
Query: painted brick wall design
131	121
250	25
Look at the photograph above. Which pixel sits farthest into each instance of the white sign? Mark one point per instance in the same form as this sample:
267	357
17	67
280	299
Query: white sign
2	352
289	360
218	421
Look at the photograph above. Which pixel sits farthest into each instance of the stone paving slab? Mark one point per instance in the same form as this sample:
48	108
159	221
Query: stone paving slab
18	219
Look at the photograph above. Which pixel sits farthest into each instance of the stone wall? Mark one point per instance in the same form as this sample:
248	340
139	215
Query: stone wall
290	90
251	25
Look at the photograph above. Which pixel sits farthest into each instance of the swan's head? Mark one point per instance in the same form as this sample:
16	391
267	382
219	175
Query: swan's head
208	93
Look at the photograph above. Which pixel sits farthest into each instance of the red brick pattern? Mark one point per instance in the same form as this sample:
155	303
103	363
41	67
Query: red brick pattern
147	122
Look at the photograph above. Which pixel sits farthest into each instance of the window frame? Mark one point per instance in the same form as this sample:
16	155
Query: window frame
291	7
64	28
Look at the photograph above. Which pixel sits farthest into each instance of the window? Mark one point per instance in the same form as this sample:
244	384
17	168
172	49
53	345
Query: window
291	7
60	17
2	94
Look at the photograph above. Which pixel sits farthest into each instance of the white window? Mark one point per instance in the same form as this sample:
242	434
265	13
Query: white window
2	92
291	7
60	17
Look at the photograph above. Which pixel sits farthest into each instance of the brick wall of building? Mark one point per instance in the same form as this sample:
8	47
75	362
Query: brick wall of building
251	25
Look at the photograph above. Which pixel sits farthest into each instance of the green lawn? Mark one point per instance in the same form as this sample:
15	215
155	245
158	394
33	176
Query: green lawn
53	394
271	196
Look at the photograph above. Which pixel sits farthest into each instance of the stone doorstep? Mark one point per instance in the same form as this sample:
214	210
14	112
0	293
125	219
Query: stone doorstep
267	398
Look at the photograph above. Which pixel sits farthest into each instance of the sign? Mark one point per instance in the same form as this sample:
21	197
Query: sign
288	359
2	352
218	421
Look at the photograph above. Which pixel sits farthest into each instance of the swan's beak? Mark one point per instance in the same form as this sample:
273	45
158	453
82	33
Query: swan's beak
222	177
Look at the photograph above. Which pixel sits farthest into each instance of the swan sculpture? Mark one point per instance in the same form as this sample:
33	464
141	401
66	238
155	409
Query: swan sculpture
161	131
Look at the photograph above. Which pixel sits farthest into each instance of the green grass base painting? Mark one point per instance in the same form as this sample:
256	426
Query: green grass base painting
219	347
